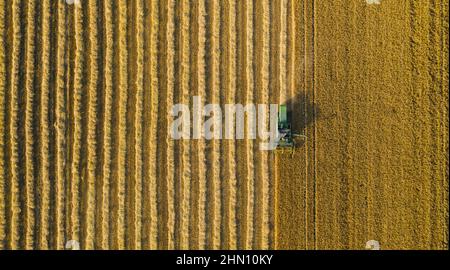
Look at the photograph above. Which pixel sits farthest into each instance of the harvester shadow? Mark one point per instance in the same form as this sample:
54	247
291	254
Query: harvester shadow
302	113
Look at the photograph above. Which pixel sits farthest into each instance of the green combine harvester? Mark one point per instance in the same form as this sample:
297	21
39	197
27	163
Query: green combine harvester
286	137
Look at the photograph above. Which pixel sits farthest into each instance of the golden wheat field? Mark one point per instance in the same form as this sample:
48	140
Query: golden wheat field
86	91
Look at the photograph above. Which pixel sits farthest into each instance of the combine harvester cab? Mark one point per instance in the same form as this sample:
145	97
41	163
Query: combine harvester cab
286	139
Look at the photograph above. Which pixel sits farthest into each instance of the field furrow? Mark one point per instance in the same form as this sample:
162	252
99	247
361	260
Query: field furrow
185	165
45	127
77	127
14	190
107	123
213	145
61	128
170	88
249	99
274	87
29	117
92	125
193	84
266	180
123	101
152	205
139	124
3	90
262	39
197	130
231	94
241	202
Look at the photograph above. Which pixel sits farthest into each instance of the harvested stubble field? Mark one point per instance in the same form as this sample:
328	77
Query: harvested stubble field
85	152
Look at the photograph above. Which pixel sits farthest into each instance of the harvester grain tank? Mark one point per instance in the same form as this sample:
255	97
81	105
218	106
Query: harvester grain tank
287	139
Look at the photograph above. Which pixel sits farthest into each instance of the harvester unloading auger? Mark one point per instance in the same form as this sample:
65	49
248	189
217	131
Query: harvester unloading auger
287	139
